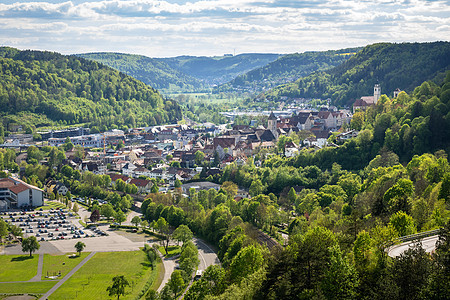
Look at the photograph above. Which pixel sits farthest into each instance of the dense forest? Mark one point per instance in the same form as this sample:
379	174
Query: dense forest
52	89
352	203
219	69
287	68
402	66
182	73
152	71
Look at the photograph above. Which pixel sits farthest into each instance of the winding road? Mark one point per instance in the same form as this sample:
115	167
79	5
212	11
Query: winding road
428	243
206	255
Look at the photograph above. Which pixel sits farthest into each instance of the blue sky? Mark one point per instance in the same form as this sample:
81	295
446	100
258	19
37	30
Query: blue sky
176	27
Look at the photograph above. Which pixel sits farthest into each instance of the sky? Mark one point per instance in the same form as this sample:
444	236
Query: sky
177	27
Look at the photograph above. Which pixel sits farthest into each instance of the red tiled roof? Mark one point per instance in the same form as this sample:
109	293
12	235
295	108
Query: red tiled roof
139	182
6	183
114	177
18	188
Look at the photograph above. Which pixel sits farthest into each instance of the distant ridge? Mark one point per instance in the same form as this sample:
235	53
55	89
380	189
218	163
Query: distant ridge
403	66
287	68
182	73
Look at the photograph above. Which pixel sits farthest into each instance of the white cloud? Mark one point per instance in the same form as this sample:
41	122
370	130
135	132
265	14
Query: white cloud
163	28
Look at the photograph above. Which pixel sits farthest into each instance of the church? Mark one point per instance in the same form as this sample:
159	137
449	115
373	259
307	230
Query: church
366	101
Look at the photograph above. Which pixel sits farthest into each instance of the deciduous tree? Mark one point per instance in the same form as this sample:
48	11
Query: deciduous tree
79	247
117	288
30	244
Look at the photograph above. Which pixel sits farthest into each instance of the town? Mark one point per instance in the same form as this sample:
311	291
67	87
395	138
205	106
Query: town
323	187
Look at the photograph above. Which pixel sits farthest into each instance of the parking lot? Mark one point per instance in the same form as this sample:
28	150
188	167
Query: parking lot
50	225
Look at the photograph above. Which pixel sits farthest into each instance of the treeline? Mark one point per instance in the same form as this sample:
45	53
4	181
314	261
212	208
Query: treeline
287	68
151	71
403	66
72	90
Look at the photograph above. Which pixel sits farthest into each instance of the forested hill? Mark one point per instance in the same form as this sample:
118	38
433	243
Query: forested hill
48	88
151	71
394	66
287	68
183	73
220	69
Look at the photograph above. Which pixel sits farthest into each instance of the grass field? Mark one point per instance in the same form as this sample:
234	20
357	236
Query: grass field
91	281
51	204
18	267
172	250
53	264
26	287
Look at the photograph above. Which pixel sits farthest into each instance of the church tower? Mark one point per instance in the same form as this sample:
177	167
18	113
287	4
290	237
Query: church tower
376	93
272	125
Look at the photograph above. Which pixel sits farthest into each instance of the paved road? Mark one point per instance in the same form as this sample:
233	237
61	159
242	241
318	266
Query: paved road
428	243
39	269
45	248
56	286
169	267
130	216
206	255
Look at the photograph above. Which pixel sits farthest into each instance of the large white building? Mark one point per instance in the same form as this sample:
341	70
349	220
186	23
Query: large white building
86	141
14	193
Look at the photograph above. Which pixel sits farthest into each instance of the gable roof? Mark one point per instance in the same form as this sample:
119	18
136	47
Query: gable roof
18	188
140	182
114	177
6	183
224	142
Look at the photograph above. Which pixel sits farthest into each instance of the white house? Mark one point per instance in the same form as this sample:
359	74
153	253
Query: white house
14	193
128	169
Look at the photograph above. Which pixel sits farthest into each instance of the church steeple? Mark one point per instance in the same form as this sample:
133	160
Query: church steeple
376	92
272	125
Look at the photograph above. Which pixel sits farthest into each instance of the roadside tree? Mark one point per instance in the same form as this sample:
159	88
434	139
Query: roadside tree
30	245
182	234
79	246
136	221
95	216
120	217
176	282
107	211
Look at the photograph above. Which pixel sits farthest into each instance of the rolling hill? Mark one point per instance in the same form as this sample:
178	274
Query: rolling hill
285	69
46	88
403	66
182	73
152	71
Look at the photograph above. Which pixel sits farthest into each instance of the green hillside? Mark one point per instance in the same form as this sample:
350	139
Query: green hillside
45	88
220	69
151	71
394	66
287	68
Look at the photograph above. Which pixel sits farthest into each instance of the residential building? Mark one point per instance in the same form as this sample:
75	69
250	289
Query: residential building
198	186
15	193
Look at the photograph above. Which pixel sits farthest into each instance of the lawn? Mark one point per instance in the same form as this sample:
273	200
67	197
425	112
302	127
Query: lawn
91	281
26	287
172	250
18	267
53	264
51	204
